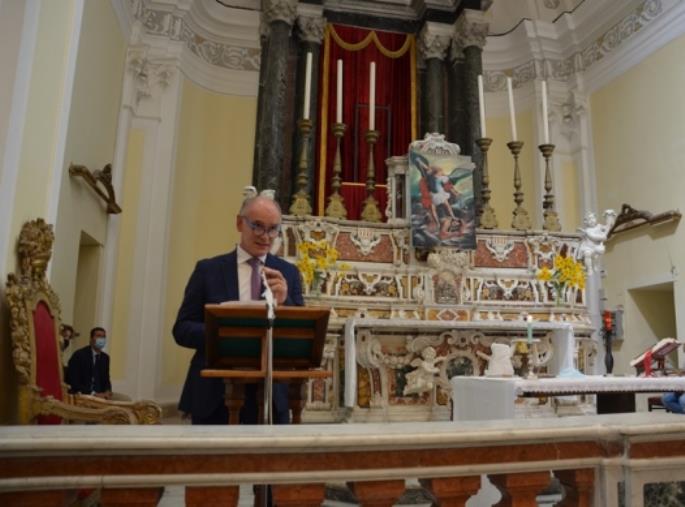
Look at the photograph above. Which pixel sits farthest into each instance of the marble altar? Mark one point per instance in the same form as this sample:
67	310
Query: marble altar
391	302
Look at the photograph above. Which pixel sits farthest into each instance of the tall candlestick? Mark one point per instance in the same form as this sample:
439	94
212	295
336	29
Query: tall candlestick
307	86
481	106
512	111
529	328
338	97
545	120
372	96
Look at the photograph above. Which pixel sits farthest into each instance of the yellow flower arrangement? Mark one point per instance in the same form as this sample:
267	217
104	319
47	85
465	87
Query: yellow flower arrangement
565	272
315	258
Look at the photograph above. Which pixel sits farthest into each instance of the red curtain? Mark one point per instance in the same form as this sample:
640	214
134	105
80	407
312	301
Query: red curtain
395	57
48	362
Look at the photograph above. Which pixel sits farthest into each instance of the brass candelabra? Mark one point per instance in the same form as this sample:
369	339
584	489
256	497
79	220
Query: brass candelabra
370	212
488	220
301	205
521	220
550	216
336	203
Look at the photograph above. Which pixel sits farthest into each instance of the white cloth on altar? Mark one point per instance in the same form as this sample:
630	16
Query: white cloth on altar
479	398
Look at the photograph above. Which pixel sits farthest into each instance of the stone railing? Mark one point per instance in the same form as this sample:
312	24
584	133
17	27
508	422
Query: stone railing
589	455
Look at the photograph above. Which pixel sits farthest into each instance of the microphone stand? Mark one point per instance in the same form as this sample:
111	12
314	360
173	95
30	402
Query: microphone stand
268	381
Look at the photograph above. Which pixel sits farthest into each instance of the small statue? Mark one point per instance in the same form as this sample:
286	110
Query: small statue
499	363
594	236
421	379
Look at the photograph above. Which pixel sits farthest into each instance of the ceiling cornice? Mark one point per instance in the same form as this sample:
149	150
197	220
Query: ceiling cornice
579	43
595	41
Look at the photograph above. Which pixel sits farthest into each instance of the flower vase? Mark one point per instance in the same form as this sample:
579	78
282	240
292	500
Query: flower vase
558	295
317	283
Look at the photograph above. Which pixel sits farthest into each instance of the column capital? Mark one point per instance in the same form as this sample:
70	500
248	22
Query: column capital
434	40
150	75
311	28
471	29
279	10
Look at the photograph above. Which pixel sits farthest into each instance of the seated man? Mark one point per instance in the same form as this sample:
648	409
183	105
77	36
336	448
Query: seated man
674	402
88	369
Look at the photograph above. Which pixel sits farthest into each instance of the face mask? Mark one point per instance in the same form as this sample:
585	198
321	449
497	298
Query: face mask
100	342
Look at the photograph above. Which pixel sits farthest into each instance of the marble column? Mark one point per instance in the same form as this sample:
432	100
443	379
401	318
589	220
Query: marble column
471	32
310	30
457	123
278	18
434	40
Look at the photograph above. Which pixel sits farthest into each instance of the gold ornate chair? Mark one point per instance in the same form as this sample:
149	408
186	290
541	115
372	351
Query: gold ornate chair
34	322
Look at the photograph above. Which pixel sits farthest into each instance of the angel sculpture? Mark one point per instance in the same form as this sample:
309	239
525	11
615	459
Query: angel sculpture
594	236
422	378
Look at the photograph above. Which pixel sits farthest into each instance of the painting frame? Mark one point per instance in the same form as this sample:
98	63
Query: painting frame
442	207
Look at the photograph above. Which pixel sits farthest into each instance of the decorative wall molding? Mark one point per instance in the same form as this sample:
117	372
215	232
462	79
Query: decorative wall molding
577	43
599	39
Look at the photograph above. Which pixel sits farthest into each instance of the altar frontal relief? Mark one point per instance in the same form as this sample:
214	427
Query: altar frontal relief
442	203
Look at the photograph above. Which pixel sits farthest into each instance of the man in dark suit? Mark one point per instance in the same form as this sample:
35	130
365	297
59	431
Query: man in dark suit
88	368
232	277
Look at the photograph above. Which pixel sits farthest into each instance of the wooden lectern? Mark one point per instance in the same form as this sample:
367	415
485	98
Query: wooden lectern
236	350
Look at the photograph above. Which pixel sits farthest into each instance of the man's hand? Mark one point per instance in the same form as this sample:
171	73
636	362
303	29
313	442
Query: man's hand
277	284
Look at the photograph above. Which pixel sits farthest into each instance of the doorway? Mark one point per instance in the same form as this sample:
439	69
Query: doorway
87	287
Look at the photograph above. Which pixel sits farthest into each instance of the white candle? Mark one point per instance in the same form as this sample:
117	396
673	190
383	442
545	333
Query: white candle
481	106
529	328
307	86
545	118
372	96
512	112
338	102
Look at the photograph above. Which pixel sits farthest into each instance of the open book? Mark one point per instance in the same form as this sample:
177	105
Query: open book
657	352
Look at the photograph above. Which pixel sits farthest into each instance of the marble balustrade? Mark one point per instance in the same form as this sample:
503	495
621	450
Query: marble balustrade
590	456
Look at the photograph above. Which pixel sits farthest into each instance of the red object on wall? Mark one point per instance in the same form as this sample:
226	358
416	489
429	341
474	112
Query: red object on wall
608	321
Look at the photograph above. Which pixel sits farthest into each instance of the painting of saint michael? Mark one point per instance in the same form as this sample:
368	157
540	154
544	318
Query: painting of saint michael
441	198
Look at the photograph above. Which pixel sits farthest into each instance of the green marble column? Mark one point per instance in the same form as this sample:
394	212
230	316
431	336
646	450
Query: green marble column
457	123
434	40
470	34
278	17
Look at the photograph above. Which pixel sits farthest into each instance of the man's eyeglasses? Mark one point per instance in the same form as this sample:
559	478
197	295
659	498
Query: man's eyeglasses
259	229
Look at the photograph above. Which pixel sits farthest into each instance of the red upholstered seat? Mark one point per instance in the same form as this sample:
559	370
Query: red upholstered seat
48	363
